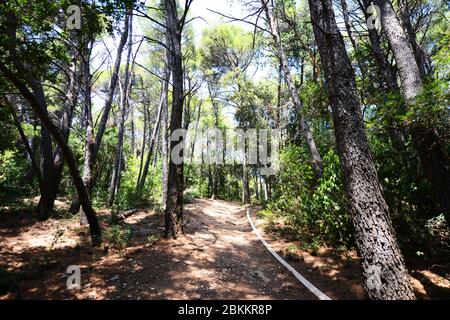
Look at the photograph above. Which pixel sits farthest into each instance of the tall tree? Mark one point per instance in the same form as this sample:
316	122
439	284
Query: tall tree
174	204
88	163
382	263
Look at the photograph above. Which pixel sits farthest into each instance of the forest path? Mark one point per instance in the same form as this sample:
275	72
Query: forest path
220	257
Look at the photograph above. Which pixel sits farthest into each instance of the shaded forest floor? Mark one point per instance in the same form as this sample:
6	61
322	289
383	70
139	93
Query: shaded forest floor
219	258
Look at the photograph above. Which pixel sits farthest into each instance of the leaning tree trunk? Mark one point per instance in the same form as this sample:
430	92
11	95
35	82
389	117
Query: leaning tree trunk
433	158
382	263
174	204
88	163
144	139
423	62
67	152
388	77
306	130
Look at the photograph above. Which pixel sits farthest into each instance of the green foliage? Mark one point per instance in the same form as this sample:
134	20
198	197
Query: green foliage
9	171
326	207
117	236
317	209
13	168
153	239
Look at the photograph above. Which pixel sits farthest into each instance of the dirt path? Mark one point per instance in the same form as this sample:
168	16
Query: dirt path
223	259
219	258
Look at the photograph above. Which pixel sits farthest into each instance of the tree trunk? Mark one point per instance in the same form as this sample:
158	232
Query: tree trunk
245	182
115	176
348	28
262	190
256	188
382	263
144	139
155	133
306	130
88	162
279	92
70	102
193	143
174	204
75	205
434	160
165	139
46	201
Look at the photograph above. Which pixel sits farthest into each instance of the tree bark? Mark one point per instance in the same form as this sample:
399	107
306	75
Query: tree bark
165	139
382	263
245	182
46	201
144	140
70	102
88	162
256	188
174	204
423	62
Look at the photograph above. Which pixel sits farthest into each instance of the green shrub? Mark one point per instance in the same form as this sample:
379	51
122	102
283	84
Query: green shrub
316	209
117	236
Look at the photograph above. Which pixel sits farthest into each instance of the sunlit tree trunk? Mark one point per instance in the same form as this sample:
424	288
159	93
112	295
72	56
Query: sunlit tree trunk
112	87
155	133
174	203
